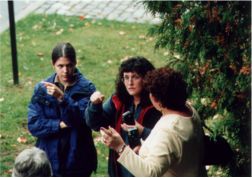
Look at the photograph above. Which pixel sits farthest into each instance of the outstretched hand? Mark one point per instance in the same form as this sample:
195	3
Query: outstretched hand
97	97
111	138
53	90
139	127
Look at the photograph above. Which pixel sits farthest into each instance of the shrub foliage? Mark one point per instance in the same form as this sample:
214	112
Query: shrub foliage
210	43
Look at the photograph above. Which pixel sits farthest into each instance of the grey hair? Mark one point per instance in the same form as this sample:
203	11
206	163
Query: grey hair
32	162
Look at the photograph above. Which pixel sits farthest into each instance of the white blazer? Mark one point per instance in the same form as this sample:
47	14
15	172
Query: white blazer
173	148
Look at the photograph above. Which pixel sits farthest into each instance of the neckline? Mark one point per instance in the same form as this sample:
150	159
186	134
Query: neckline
183	116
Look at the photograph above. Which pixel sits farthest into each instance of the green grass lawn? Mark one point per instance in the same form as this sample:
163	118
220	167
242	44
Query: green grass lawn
100	47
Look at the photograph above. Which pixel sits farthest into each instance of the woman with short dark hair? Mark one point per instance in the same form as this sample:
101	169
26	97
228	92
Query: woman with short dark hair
175	145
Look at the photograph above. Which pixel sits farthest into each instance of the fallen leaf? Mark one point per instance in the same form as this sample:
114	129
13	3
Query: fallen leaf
70	29
125	58
166	53
25	67
82	17
141	37
34	43
10	81
21	139
59	32
150	39
39	54
122	33
35	27
8	171
87	24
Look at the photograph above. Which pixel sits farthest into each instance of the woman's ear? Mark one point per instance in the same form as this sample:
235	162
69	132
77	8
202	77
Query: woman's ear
155	102
152	98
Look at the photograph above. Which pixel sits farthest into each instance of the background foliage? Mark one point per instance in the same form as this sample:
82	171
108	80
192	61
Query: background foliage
210	43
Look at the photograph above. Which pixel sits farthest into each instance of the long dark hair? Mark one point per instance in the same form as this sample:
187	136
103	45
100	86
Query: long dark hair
64	50
141	66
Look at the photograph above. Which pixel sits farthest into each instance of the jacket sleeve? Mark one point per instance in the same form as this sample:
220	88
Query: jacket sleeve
72	108
100	115
38	124
162	151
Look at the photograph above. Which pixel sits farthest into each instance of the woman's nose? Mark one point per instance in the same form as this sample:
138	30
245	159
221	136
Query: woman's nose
64	69
131	81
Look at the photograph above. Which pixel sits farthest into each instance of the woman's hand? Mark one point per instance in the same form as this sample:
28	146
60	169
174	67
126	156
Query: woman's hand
63	125
53	90
139	127
111	138
97	97
136	149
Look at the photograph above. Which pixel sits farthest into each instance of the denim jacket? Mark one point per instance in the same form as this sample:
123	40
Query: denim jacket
71	151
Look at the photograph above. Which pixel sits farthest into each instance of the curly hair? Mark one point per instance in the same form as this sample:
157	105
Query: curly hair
168	87
141	66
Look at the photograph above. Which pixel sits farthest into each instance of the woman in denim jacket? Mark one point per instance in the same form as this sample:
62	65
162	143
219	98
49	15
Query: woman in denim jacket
56	116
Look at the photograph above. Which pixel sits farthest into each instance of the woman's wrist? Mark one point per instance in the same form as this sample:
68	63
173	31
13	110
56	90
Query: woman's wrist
60	97
140	128
121	148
